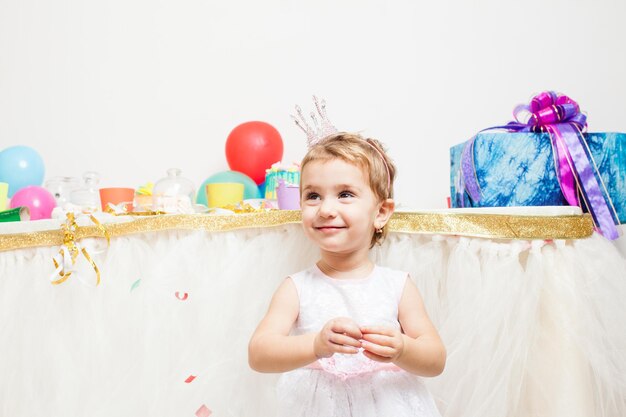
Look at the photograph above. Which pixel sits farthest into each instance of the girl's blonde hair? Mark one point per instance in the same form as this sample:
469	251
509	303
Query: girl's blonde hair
354	149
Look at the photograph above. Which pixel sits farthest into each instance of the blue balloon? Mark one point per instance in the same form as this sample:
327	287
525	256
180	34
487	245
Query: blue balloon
250	189
20	166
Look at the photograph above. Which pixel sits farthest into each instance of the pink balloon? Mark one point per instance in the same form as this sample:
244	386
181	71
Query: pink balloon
38	200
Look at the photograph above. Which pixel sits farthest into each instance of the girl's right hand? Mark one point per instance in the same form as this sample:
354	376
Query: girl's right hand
340	335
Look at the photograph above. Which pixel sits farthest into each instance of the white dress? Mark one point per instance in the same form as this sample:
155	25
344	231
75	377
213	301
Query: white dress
351	385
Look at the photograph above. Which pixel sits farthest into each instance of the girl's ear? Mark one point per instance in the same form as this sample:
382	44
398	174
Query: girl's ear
384	213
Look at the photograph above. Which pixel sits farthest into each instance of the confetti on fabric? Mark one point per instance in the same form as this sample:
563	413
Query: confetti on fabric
190	378
182	296
203	411
135	284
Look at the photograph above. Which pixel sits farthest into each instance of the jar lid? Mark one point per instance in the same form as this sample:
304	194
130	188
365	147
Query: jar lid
174	185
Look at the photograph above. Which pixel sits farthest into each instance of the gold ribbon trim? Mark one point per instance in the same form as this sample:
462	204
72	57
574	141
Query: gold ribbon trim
492	226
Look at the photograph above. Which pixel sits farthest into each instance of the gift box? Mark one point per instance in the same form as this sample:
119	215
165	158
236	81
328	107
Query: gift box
519	169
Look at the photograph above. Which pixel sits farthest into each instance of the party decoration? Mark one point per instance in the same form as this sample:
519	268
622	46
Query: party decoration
252	147
15	215
38	200
174	193
288	195
203	411
143	197
114	196
86	196
262	188
560	119
288	173
243	208
250	189
20	166
4	195
182	296
135	284
145	189
65	261
221	194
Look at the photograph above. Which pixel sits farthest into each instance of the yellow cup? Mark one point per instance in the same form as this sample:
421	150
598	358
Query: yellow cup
222	194
4	195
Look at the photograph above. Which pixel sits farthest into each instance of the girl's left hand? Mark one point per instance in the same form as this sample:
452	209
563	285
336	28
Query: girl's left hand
382	344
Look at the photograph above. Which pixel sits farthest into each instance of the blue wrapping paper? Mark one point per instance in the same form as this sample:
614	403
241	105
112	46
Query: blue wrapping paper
517	169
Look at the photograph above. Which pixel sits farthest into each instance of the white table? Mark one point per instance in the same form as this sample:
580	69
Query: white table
532	327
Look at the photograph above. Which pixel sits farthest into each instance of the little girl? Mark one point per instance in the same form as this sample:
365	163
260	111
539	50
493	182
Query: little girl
351	337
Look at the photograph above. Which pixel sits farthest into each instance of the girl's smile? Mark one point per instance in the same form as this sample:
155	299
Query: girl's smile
329	228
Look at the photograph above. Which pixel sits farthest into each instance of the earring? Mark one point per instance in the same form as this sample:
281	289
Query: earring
379	231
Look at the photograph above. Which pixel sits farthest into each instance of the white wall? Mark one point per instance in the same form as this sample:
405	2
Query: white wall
131	87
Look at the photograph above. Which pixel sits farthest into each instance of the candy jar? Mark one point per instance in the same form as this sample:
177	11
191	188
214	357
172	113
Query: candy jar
61	188
174	193
87	197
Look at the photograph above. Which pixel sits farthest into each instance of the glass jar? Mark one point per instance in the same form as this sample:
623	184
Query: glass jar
87	196
61	188
174	193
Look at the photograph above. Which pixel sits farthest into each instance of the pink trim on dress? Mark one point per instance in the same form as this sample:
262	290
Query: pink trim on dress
348	369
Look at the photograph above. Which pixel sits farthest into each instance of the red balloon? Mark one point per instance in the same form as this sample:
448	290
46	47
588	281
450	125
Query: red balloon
253	147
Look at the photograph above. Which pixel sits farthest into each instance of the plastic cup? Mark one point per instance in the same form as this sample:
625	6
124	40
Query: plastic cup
220	194
116	196
4	195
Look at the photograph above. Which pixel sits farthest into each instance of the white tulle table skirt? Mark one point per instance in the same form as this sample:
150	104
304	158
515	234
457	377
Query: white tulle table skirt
532	328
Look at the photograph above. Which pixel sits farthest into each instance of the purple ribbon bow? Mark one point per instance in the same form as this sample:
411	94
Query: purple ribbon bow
559	116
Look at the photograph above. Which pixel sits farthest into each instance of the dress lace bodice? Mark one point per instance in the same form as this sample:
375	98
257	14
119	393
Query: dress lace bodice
368	301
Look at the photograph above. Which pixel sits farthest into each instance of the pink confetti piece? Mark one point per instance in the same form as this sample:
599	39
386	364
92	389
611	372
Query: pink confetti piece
182	296
190	378
203	411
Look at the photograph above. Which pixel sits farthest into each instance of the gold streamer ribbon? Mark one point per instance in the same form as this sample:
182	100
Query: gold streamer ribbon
246	208
71	249
121	210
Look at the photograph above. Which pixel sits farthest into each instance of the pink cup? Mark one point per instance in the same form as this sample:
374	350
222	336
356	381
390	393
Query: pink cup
288	196
117	195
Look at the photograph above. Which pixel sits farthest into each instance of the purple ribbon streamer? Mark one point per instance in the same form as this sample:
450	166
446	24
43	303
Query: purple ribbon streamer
595	201
559	116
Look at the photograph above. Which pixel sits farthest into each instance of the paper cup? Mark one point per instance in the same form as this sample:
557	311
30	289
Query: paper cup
220	194
117	195
4	193
288	197
143	202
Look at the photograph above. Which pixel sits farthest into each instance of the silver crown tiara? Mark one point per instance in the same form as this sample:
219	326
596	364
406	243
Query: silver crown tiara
321	128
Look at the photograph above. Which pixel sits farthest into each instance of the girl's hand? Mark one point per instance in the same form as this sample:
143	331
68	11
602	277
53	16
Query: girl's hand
340	335
382	344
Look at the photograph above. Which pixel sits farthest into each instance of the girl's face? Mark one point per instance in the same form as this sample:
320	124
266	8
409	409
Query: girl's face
339	209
